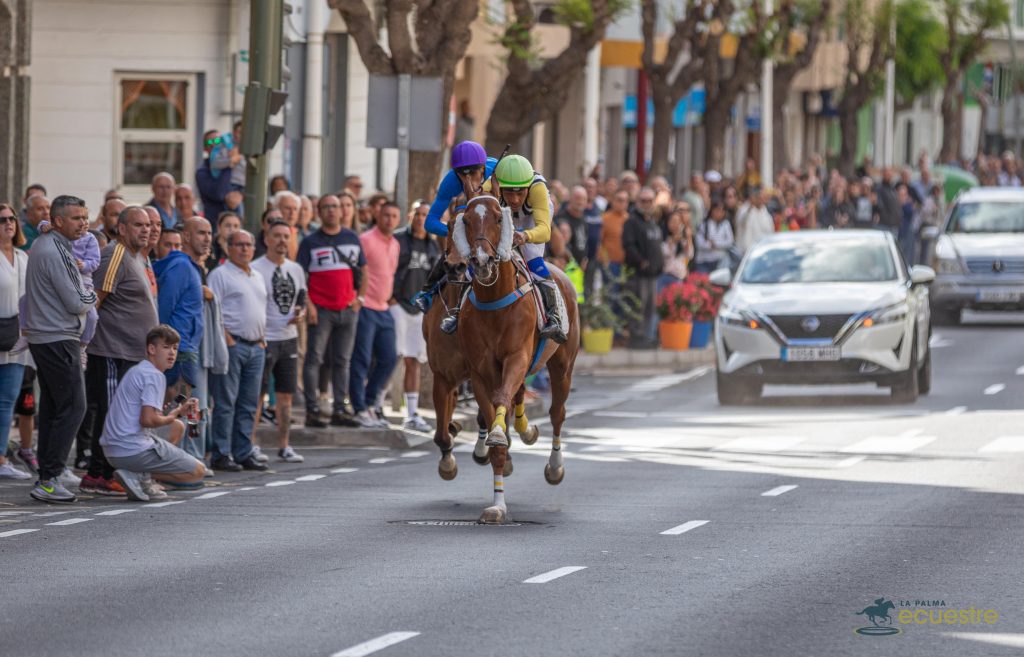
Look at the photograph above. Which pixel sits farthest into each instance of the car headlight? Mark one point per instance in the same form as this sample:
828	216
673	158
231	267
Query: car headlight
733	317
888	315
948	266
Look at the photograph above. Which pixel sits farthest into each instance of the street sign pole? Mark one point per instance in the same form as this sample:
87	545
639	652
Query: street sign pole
263	49
404	118
767	116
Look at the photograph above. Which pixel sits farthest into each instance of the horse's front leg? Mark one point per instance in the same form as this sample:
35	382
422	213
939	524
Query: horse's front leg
527	433
446	467
513	372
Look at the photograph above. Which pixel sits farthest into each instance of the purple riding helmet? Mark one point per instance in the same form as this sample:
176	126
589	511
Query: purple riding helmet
468	154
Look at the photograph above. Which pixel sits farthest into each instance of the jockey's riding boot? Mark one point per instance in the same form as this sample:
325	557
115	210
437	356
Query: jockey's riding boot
425	297
450	322
552	327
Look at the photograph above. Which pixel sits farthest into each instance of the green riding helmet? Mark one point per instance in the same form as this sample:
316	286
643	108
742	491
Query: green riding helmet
514	172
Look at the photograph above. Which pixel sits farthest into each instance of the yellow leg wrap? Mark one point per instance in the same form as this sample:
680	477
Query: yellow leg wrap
556	443
522	424
499	419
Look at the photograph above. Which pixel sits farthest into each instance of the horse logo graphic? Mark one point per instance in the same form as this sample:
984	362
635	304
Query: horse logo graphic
881	621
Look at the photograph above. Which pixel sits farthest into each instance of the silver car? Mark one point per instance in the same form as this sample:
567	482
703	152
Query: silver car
812	307
979	255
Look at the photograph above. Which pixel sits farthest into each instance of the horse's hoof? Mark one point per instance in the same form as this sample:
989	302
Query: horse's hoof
531	435
447	472
494	515
482	460
497	438
508	467
454	428
554	476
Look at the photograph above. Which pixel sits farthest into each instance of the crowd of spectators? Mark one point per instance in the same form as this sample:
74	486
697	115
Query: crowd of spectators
159	336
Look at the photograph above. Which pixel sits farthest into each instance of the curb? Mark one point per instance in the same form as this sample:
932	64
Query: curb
642	360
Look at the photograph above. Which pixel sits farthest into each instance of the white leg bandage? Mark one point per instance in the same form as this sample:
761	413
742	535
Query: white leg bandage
555	460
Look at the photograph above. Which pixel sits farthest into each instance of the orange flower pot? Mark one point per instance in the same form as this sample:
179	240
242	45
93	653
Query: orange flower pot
675	335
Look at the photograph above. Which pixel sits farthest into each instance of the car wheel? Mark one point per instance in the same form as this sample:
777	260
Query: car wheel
732	392
924	374
946	316
905	391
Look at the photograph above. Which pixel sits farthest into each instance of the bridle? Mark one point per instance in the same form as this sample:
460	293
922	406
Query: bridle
481	237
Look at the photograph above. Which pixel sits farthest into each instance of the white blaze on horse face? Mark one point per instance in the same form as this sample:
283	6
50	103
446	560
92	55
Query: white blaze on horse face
481	211
459	237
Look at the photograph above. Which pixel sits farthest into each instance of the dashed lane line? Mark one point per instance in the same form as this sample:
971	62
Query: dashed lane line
415	454
209	496
381	460
116	512
995	389
685	527
310	477
778	490
344	470
162	504
543	578
273	484
373	645
69	521
16	532
1020	371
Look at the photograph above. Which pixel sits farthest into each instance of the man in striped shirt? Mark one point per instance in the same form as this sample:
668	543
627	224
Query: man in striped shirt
126	314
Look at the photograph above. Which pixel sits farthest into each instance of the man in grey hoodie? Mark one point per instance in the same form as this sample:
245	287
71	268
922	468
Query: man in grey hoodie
56	303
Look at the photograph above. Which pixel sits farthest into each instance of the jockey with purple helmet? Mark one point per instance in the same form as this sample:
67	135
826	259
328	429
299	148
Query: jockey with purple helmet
470	167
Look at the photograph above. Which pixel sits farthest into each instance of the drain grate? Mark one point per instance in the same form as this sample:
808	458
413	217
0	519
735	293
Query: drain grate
455	523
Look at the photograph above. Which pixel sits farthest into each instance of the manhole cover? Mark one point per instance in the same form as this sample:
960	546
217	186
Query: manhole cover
456	523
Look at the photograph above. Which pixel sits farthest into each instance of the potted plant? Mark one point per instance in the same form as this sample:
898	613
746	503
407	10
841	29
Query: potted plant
709	299
605	313
676	305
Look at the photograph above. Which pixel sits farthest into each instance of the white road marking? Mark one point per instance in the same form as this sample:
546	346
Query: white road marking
622	414
957	410
760	444
685	527
69	521
938	342
160	504
17	532
116	512
553	574
996	639
1005	444
50	514
310	477
381	460
373	645
208	496
1020	371
280	483
995	388
888	444
850	462
247	488
778	490
343	470
15	513
414	454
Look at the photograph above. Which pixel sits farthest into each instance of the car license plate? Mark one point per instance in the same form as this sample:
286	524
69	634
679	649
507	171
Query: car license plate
999	295
808	354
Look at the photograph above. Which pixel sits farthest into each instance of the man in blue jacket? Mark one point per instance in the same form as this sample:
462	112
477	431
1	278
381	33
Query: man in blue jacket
180	305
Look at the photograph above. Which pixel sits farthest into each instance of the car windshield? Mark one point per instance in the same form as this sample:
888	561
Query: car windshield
823	261
987	217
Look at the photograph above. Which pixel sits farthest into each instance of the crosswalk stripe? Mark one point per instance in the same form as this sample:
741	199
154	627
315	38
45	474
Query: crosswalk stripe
888	444
17	532
1005	444
760	444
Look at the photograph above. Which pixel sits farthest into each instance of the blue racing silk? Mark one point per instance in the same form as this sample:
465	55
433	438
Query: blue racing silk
449	188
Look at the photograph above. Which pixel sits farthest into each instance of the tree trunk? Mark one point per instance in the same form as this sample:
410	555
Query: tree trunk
952	122
716	122
848	139
663	107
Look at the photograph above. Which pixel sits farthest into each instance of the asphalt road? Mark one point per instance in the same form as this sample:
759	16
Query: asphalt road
681	529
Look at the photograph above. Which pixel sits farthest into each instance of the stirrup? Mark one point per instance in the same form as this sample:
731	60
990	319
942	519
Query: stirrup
449	324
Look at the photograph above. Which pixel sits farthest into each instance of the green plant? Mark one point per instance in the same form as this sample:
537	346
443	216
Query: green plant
611	307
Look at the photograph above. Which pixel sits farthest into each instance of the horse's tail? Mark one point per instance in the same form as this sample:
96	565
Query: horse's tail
861	612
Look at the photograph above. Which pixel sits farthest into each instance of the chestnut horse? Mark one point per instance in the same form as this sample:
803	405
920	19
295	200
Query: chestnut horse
500	340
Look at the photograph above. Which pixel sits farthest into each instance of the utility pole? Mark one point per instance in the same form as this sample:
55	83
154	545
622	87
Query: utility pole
889	129
767	113
1014	69
265	42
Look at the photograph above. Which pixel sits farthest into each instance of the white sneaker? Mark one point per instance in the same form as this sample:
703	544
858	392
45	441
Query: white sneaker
69	479
8	471
258	454
417	423
207	472
368	420
288	455
154	490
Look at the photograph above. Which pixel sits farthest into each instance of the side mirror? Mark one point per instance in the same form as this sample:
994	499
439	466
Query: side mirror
722	277
930	233
921	275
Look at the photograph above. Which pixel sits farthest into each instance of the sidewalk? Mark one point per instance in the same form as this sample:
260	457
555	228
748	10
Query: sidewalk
639	362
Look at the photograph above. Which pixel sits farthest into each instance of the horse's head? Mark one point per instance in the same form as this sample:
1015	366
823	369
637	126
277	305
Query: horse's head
483	236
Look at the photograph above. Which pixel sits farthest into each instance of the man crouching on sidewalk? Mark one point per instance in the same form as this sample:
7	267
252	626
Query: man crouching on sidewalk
128	440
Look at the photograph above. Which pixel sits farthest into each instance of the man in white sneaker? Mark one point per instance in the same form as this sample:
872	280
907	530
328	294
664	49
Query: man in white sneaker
286	300
138	455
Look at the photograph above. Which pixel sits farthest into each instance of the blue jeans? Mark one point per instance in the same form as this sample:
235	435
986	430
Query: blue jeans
189	378
235	395
375	343
10	385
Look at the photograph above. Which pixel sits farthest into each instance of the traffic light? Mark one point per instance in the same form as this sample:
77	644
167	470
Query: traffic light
258	134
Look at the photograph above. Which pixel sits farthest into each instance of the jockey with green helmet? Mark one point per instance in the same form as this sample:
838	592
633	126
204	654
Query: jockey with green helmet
525	192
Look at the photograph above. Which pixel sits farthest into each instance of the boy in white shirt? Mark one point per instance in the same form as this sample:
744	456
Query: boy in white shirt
128	441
